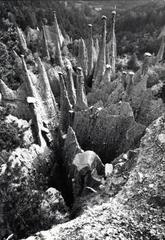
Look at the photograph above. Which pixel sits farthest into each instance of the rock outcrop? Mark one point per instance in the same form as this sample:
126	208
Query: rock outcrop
107	131
33	100
45	51
70	86
112	44
22	40
146	107
160	53
101	61
54	80
65	106
82	167
91	52
81	102
15	100
83	57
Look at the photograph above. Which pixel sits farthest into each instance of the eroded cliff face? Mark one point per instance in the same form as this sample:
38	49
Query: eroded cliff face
137	211
108	131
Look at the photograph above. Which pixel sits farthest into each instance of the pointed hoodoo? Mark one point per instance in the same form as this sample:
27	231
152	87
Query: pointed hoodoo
47	98
15	100
130	82
131	74
57	29
101	62
146	62
7	93
22	40
46	48
33	17
97	47
58	43
82	57
31	99
107	74
160	54
113	42
45	81
18	65
90	52
81	96
27	80
71	146
17	60
58	57
70	86
124	79
54	82
65	106
108	60
37	126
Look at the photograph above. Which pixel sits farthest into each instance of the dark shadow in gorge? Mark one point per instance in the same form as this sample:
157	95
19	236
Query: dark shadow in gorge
58	175
108	153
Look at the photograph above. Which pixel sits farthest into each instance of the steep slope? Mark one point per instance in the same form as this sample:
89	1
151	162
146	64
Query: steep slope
136	212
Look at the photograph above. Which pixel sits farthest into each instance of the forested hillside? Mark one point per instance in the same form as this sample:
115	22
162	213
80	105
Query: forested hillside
131	24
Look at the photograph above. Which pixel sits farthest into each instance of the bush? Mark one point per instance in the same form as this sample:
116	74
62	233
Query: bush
27	207
10	135
9	138
133	63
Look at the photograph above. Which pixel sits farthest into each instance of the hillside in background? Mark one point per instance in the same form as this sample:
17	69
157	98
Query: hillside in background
109	4
137	28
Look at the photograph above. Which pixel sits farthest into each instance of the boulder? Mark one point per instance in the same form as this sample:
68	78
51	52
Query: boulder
83	167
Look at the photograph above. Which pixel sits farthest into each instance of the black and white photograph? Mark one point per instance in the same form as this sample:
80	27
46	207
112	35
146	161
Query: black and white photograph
82	120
